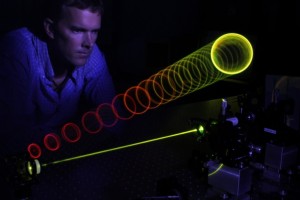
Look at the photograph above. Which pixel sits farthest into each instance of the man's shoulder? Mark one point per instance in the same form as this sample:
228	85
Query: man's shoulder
12	31
97	53
18	34
20	40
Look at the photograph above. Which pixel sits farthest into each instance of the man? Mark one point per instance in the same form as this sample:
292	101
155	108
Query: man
48	81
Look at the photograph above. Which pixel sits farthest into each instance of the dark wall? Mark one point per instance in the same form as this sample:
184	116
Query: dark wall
142	37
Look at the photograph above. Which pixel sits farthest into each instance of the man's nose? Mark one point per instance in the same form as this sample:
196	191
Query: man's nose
88	40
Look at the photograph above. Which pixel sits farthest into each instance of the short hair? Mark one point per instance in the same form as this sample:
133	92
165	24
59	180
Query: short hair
53	8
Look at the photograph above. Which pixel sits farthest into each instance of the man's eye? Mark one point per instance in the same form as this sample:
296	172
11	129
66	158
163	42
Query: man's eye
76	31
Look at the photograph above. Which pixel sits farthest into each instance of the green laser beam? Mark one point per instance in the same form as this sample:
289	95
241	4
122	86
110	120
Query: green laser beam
218	169
118	148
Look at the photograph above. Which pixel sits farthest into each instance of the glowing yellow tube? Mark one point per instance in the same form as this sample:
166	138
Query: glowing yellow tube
228	55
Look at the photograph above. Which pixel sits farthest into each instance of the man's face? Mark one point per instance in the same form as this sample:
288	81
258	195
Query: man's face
75	34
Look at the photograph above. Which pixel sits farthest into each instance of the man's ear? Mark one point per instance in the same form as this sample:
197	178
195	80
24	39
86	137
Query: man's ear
48	26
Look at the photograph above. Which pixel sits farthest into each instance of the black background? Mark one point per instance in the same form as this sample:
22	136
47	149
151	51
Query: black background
141	37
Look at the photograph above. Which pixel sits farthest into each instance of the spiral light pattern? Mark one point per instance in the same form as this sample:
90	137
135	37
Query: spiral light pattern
228	55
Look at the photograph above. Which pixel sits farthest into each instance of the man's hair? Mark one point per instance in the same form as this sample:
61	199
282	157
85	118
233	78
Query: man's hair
53	8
